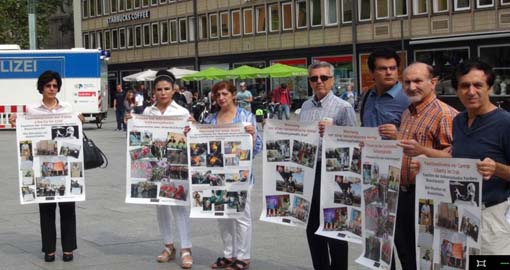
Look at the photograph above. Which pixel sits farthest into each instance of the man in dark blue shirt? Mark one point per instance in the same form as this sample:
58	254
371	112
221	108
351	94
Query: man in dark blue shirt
118	106
483	132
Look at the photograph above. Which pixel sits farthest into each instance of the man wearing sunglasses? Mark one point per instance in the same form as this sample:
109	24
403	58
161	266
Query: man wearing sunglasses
384	104
328	109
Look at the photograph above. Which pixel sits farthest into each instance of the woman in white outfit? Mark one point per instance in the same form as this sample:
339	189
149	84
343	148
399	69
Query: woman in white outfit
165	105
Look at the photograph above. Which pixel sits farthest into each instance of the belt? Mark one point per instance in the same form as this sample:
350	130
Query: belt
489	204
407	188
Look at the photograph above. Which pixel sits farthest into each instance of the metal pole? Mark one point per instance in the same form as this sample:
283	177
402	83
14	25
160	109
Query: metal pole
195	14
32	38
354	47
402	43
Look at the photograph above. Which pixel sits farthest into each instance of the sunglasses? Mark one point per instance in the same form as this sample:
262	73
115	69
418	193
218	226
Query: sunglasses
323	78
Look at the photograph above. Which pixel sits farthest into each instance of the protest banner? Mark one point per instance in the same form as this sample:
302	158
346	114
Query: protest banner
50	158
157	160
289	160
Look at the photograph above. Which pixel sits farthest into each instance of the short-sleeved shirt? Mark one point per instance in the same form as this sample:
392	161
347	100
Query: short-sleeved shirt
172	109
40	108
487	137
241	96
119	97
430	123
330	106
385	109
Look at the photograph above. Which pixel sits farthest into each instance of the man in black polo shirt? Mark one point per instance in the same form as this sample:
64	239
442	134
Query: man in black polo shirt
483	132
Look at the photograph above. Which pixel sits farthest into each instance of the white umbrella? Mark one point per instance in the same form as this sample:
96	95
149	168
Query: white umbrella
178	73
146	75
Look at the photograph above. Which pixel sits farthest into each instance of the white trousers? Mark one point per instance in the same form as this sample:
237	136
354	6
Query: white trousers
181	216
495	230
236	234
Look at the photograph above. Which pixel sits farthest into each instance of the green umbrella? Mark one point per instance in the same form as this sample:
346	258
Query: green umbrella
283	71
211	73
246	72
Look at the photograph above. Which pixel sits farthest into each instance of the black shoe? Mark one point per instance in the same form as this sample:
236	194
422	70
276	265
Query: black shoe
67	257
49	258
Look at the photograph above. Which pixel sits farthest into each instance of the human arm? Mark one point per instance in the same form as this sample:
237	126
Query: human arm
249	99
388	131
412	148
115	104
488	168
12	119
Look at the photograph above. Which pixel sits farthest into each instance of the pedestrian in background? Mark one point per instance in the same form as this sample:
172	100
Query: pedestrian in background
119	107
244	97
281	96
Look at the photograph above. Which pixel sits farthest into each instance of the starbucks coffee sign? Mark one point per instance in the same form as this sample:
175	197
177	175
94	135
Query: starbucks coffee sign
132	16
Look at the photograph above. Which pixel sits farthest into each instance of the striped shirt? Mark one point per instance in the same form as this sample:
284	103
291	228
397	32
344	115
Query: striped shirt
430	123
330	106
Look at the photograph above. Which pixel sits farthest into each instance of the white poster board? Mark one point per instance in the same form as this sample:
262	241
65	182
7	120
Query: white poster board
448	213
381	164
220	162
50	158
341	196
289	160
157	164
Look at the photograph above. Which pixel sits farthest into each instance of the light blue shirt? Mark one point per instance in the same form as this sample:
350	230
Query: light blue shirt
241	96
385	109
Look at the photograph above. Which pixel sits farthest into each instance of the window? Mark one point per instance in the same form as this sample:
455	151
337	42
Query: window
331	11
113	6
461	5
92	10
85	9
225	30
137	3
346	11
400	7
146	35
122	5
122	38
107	40
496	56
274	18
260	18
99	7
236	23
145	3
213	22
479	3
86	41
315	13
164	32
162	1
505	2
155	33
440	5
364	10
287	16
154	2
202	27
183	27
420	7
138	36
93	43
173	31
191	28
381	9
129	5
130	39
301	14
115	39
248	21
99	38
106	6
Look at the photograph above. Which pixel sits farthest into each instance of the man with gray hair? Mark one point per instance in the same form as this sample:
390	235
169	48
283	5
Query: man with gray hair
328	109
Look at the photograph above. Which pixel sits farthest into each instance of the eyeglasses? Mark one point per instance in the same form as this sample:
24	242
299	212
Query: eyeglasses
383	69
323	78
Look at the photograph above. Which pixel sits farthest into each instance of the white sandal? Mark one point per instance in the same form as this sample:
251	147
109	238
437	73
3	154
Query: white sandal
186	260
169	256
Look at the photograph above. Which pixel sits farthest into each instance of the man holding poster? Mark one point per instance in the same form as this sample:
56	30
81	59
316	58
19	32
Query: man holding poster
425	130
329	109
481	132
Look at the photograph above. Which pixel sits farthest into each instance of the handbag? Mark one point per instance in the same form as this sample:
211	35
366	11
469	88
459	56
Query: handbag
93	157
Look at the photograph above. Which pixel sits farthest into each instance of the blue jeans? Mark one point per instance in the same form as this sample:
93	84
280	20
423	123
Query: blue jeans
283	109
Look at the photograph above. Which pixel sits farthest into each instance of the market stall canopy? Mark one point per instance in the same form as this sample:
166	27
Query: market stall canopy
140	76
178	73
211	73
282	71
246	72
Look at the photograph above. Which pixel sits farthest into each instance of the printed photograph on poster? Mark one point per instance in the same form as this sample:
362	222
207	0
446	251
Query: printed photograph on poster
393	178
150	170
371	173
355	225
372	248
465	193
335	219
289	179
198	154
236	201
448	216
425	223
25	151
208	178
27	176
158	148
350	190
70	150
278	150
304	153
143	189
143	152
337	159
146	138
356	160
177	156
76	186
177	190
65	132
236	148
54	166
215	155
392	201
76	169
453	250
300	208
46	148
28	193
426	258
278	205
231	160
176	141
197	199
50	186
177	172
470	225
135	138
386	251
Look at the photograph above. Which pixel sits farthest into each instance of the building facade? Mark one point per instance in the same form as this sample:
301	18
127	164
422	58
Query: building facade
158	34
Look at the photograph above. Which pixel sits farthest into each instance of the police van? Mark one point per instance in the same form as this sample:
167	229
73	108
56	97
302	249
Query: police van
84	80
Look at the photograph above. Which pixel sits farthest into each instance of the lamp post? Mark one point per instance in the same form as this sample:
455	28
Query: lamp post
32	38
354	17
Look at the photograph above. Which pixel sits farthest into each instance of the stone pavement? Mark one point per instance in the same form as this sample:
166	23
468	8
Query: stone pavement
115	235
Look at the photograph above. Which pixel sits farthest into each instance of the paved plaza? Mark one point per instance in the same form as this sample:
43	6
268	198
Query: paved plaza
116	235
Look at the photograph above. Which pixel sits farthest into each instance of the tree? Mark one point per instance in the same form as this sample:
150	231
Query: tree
14	21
